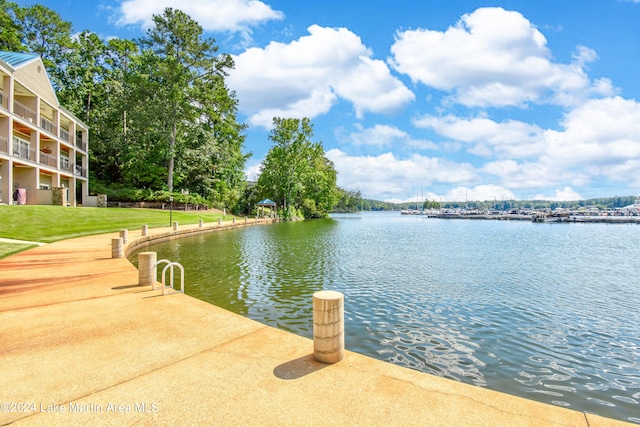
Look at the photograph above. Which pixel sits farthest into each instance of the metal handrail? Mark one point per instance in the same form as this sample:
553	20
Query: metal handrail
49	160
79	170
65	164
4	100
27	112
162	261
48	125
4	145
170	265
25	153
65	135
164	270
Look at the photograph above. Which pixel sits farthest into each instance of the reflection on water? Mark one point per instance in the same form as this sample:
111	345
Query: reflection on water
549	312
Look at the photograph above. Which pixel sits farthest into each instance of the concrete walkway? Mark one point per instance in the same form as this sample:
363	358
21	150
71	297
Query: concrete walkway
82	344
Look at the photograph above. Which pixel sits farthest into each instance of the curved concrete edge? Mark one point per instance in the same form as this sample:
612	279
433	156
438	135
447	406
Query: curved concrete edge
166	234
113	353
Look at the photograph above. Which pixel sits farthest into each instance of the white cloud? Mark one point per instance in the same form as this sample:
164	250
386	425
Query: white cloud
522	176
510	139
327	64
477	193
382	136
387	177
371	88
564	195
599	135
493	57
596	141
252	172
212	15
319	101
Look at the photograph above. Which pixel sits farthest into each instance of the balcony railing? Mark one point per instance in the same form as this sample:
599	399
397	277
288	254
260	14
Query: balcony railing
26	153
24	111
49	160
4	145
4	101
81	145
64	134
48	125
65	165
80	171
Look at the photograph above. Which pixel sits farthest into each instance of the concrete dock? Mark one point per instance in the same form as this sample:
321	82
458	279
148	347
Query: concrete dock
82	344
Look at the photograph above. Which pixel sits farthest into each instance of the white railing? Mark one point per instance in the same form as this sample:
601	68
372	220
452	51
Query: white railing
65	164
48	125
4	101
23	152
24	111
48	160
170	266
80	171
64	134
4	145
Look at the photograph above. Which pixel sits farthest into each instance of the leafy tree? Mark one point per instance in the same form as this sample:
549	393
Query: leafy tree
47	34
84	76
295	171
111	144
185	67
349	201
320	185
212	162
10	27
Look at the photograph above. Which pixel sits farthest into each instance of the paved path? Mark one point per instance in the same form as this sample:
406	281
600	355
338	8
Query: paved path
82	344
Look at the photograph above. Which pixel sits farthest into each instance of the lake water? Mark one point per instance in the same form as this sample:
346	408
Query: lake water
549	312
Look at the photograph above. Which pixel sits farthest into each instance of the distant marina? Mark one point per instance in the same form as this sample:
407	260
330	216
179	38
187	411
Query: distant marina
625	215
615	217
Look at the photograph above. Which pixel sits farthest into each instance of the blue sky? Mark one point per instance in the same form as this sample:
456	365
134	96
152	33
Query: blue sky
450	100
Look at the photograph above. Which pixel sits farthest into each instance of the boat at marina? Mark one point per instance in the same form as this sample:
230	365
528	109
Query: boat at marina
625	215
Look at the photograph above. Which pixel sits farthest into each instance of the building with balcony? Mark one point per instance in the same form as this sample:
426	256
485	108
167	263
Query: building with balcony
44	155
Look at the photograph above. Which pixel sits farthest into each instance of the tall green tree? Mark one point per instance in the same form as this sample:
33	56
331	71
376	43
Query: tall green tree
296	172
181	57
83	79
113	140
349	200
10	27
47	34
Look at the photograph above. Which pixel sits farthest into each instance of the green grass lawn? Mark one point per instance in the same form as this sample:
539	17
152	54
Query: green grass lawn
52	223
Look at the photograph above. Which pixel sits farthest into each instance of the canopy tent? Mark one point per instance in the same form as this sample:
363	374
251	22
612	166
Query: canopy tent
267	203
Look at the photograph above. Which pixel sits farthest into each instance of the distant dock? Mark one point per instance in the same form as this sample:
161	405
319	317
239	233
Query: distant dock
614	217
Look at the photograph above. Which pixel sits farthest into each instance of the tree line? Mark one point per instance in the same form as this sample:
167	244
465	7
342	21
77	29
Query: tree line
504	205
162	120
352	201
